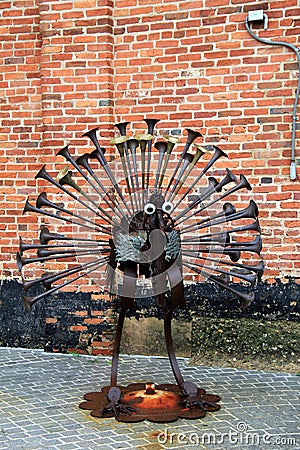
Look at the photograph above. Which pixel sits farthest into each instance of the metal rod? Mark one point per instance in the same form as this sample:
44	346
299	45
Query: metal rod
151	124
122	129
161	146
199	153
28	302
218	154
250	212
192	135
31	208
42	200
83	160
170	348
99	155
43	174
247	299
172	141
28	284
46	236
66	154
242	184
258	268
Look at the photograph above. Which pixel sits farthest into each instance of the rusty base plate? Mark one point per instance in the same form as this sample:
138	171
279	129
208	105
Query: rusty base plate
164	403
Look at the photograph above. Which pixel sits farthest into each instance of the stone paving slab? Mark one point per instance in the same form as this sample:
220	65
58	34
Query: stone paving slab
40	393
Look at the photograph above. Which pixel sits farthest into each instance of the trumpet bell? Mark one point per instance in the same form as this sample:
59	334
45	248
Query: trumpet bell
143	137
119	140
62	173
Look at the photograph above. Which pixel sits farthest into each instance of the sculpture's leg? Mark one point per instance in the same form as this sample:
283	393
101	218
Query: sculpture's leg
177	299
192	396
170	348
116	347
126	302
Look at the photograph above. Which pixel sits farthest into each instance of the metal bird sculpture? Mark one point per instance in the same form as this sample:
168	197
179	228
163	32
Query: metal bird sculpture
148	220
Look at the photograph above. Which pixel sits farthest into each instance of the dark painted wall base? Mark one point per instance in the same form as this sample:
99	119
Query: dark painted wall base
65	322
85	322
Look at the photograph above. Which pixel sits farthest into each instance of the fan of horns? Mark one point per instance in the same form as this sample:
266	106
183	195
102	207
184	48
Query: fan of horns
150	219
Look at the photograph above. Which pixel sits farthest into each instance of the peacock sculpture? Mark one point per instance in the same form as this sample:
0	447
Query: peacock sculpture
138	226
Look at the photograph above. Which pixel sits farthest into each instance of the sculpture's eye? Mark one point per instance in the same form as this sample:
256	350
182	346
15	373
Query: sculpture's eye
149	208
167	207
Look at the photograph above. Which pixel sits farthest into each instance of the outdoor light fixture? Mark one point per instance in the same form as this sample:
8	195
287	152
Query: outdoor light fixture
260	16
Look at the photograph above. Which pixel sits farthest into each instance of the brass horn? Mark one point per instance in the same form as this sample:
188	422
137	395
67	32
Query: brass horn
24	246
234	254
250	212
187	159
65	177
44	253
122	127
42	200
229	178
254	226
21	262
171	142
161	146
132	145
48	279
143	140
99	155
247	299
66	154
258	268
231	248
119	142
228	209
192	135
214	186
254	246
27	284
30	208
199	153
44	175
46	236
243	183
243	275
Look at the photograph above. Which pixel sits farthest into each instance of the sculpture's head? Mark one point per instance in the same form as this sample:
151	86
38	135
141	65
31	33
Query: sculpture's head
157	214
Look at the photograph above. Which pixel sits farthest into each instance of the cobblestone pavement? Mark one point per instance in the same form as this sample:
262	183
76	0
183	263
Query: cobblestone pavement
40	393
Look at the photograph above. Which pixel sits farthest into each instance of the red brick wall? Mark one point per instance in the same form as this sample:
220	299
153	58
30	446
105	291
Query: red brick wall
68	66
